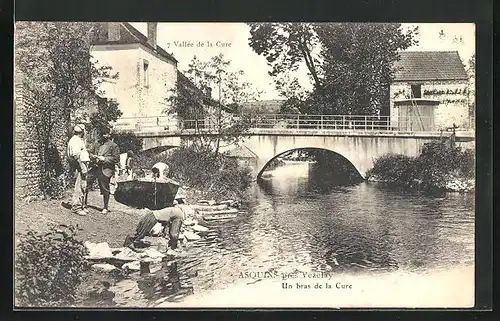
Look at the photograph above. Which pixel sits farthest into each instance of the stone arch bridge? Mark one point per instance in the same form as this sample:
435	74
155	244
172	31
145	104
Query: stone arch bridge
360	148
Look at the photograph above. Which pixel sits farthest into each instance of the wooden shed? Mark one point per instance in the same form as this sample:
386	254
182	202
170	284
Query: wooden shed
416	114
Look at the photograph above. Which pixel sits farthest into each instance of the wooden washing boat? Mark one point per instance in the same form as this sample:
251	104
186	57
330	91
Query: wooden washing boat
219	215
218	212
146	192
212	217
209	207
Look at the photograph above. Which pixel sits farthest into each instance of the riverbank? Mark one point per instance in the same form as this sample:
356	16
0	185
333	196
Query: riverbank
365	228
106	234
450	184
95	227
440	166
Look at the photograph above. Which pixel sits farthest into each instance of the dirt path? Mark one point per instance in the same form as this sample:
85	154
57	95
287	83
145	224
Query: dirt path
96	227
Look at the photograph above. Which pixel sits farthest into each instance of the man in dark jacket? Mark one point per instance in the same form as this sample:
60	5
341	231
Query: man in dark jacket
105	155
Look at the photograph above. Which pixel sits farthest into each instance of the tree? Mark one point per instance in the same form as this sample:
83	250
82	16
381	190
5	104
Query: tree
191	94
350	74
61	78
285	46
107	112
229	89
358	60
128	141
56	56
187	101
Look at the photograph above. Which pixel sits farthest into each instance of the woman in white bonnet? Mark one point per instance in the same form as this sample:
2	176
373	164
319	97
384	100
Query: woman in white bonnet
160	170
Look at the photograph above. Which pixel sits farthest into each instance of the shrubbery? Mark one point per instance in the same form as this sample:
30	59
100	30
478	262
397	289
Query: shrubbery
128	141
49	266
435	165
203	169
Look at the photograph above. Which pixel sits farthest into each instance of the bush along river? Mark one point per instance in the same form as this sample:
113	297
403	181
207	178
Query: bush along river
300	219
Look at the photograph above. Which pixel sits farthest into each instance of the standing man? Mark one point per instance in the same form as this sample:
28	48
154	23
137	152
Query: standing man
78	159
129	164
105	155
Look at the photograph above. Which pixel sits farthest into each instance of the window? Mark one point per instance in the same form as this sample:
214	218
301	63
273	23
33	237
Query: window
416	91
146	74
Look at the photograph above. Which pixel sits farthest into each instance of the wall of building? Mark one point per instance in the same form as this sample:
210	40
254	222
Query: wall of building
139	93
124	60
162	77
37	166
452	96
26	157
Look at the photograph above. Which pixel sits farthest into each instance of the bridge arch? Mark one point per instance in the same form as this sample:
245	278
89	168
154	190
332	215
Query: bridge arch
360	151
346	162
158	149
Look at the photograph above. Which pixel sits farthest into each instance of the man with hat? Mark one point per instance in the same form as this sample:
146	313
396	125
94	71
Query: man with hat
78	159
105	155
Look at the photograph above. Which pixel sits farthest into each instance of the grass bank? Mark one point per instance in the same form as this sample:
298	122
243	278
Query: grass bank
440	166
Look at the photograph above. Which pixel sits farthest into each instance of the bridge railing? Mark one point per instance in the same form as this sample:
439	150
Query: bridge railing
332	122
146	124
280	121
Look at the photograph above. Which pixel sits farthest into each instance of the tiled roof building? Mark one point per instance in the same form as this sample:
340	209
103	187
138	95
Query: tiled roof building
429	65
424	78
114	33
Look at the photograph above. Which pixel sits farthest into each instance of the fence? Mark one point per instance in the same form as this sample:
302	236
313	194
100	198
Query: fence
282	121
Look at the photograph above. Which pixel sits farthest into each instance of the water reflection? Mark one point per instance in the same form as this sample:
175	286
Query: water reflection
300	218
166	284
369	226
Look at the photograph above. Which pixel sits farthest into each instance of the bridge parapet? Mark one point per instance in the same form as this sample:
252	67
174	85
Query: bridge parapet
278	124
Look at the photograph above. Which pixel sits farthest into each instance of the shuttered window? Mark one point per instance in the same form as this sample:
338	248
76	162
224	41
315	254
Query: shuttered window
146	73
416	91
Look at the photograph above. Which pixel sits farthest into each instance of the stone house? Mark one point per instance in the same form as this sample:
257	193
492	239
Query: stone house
147	73
431	88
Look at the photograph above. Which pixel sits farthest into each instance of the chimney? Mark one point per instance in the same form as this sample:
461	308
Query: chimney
113	31
152	33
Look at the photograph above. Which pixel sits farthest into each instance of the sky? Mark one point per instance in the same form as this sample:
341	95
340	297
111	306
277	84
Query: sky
231	39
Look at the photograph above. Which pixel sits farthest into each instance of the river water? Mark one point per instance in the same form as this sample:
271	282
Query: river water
298	220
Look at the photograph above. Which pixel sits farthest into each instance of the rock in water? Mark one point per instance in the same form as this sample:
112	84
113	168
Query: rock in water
98	250
199	228
190	222
154	254
158	242
190	236
127	254
134	266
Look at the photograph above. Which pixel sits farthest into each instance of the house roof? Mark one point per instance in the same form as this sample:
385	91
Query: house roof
241	152
206	99
128	35
429	65
271	106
